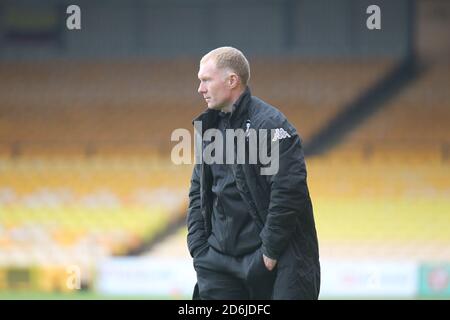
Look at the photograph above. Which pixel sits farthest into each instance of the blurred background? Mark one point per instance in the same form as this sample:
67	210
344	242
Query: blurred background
91	205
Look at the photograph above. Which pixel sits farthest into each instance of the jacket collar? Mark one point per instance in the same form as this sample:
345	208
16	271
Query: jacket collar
240	107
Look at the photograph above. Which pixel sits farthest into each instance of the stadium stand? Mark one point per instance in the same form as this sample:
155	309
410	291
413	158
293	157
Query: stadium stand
390	177
60	212
91	109
85	170
414	126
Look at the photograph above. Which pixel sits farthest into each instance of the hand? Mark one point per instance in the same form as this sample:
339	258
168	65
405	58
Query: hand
269	263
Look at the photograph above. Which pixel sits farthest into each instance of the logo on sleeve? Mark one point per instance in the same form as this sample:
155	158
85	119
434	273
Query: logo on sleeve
280	133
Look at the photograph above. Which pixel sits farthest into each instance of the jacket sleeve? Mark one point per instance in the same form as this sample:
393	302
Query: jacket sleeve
289	193
196	238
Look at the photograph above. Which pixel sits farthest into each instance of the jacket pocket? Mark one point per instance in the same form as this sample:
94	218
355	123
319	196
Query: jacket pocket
201	250
257	268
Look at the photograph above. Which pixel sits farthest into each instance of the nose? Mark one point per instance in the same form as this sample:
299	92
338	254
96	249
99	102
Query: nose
201	88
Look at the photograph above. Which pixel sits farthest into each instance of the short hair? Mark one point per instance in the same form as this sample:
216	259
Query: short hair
230	58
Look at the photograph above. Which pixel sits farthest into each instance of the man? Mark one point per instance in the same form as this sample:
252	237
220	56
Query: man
251	236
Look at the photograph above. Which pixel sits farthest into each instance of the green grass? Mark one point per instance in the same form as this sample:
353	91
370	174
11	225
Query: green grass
97	296
77	296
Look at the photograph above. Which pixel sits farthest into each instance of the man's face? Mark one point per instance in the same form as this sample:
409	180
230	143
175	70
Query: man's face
213	85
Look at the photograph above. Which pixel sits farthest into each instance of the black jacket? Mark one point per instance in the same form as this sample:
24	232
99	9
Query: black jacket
280	203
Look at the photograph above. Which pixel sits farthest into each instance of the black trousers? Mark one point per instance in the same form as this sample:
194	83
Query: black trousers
223	277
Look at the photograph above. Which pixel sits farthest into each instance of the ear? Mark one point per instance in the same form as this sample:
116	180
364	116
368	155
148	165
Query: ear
233	80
